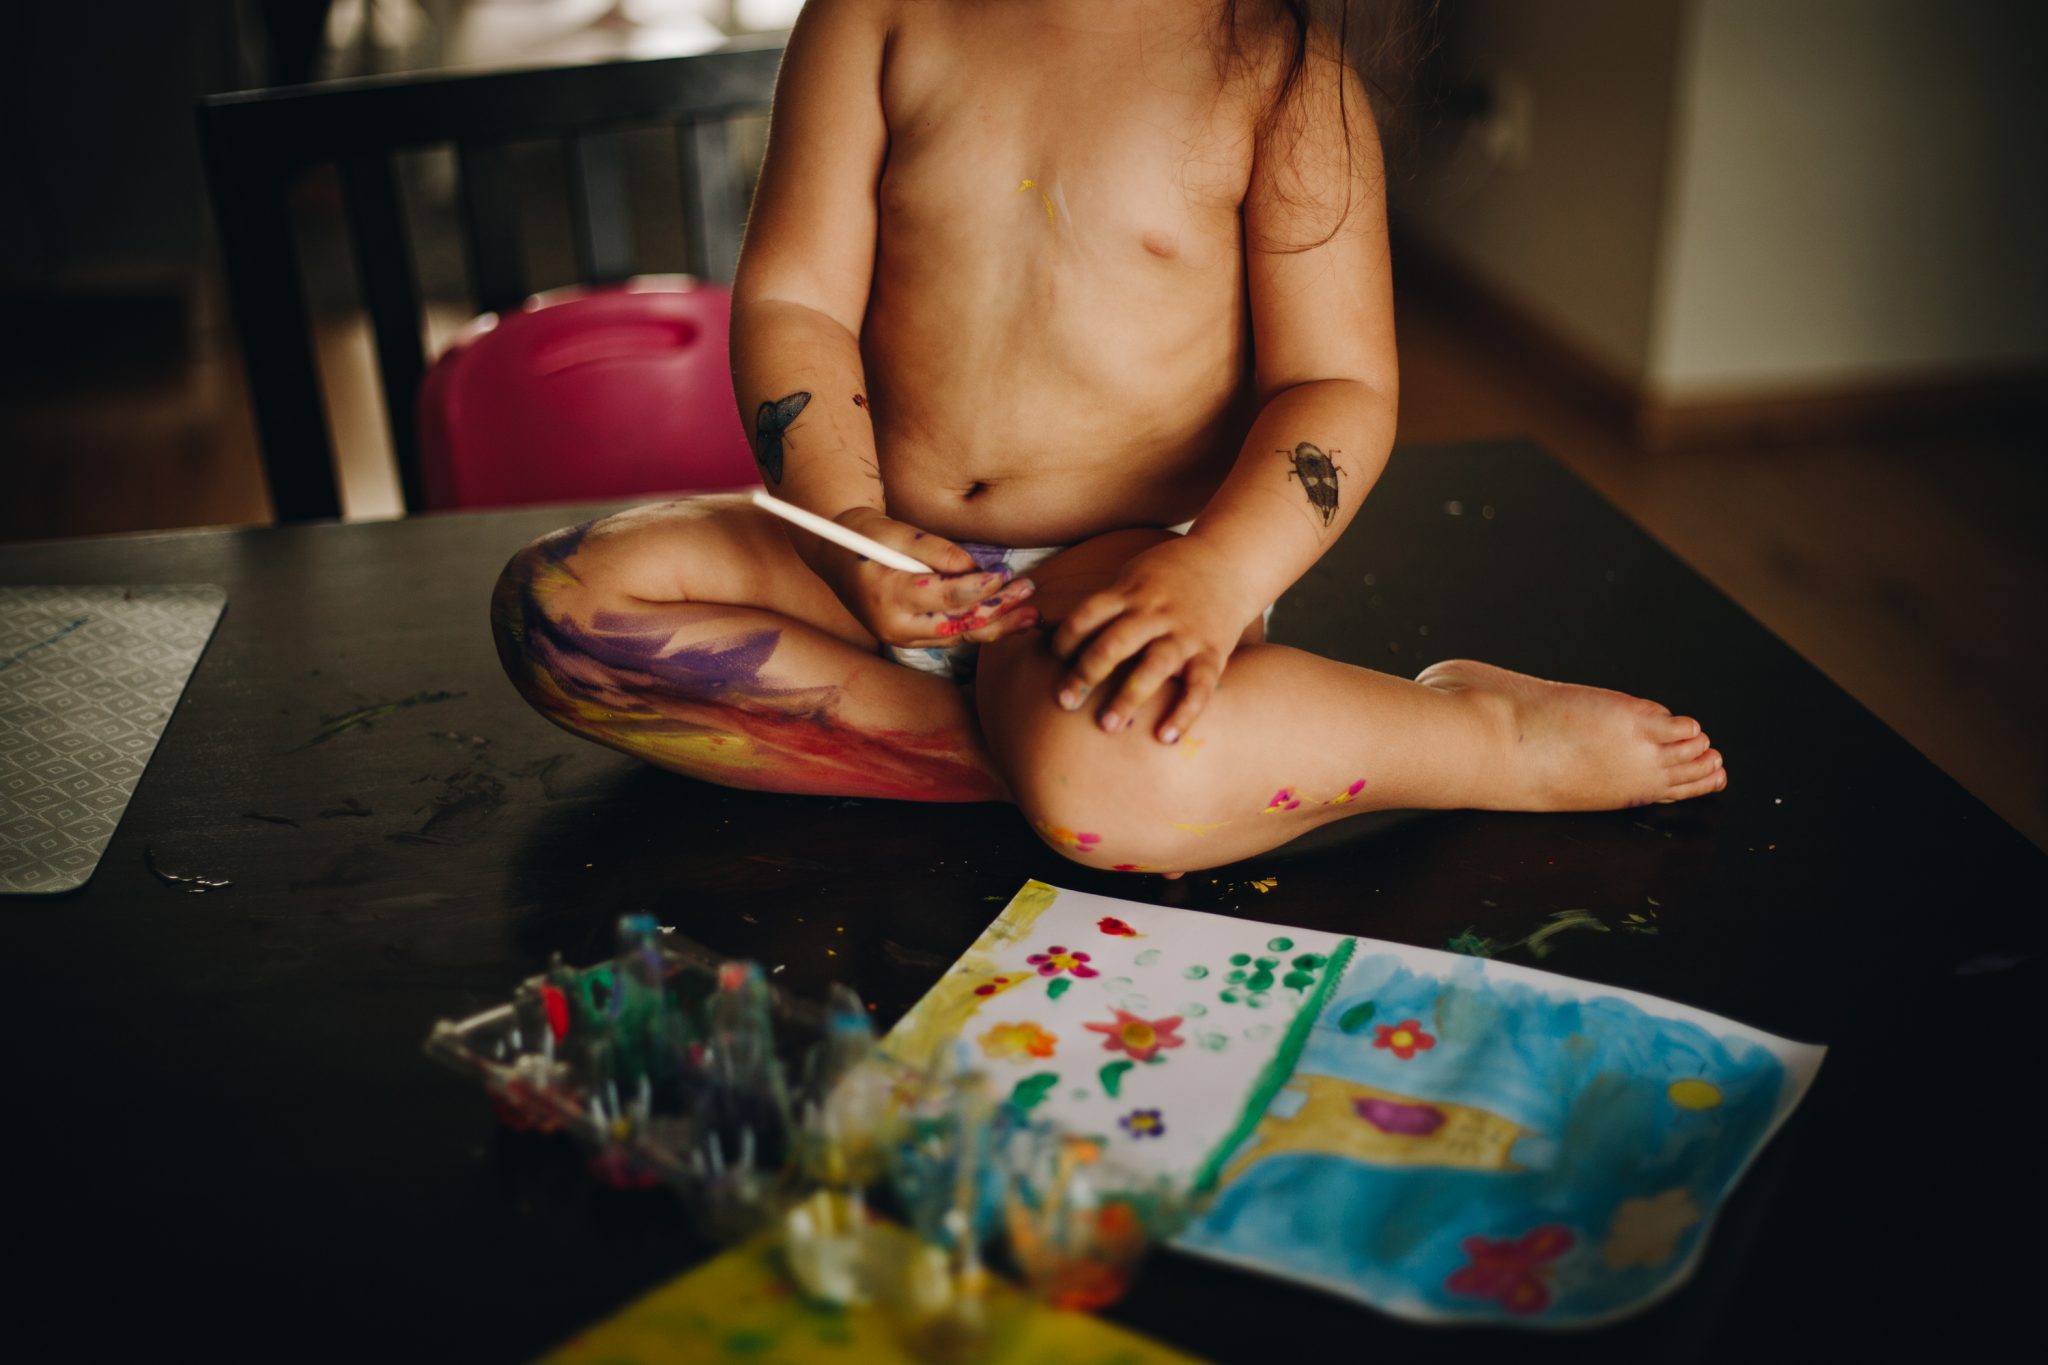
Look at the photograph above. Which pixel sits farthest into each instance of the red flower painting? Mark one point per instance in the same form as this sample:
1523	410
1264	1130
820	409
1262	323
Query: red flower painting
1513	1272
1404	1039
1139	1039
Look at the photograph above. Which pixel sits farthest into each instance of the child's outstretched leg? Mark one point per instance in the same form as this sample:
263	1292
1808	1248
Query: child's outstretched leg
1292	740
691	635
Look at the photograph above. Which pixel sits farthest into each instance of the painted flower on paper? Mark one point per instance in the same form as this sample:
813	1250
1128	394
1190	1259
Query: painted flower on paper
996	985
1404	1039
1017	1042
1143	1123
1139	1039
1068	839
1513	1272
1116	928
1284	799
1056	959
1347	794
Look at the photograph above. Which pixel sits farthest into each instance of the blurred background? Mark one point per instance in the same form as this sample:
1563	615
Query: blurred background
1766	273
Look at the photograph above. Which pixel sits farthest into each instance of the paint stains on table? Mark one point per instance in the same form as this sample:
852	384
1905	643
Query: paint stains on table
188	883
363	717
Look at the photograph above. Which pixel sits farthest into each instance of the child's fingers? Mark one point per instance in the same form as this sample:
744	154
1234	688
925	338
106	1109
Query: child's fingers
1198	685
1095	611
952	624
1115	643
1161	660
1009	623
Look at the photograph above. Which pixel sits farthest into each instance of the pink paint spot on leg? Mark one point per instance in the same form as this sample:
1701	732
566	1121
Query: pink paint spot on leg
1347	794
1284	799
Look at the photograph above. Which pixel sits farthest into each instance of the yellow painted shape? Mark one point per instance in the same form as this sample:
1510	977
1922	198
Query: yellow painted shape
1328	1123
1695	1094
739	1307
1645	1232
944	1013
1051	219
1263	884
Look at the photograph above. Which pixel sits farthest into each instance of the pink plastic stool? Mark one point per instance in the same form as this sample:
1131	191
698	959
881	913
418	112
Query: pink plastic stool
584	394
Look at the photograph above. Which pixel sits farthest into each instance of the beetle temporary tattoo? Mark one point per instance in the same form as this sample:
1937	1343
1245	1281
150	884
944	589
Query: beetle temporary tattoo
1318	474
770	421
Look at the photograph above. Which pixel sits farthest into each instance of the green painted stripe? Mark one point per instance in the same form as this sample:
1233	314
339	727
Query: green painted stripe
1278	1069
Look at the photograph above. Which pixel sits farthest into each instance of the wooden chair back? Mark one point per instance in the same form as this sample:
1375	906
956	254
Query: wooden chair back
258	142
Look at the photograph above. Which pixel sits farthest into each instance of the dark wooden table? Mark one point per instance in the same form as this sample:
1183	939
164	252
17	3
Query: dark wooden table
221	1135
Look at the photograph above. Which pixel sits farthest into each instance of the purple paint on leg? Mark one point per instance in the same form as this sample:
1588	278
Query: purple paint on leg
1403	1120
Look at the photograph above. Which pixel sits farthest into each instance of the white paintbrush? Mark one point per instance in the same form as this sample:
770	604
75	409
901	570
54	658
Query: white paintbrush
839	535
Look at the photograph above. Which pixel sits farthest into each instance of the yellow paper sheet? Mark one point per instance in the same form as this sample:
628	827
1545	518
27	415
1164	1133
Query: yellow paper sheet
740	1307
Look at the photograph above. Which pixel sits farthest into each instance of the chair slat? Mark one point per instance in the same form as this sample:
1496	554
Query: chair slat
711	211
268	300
490	213
600	208
384	265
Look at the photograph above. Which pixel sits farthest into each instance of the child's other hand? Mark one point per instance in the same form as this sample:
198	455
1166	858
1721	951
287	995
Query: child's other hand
914	610
1177	611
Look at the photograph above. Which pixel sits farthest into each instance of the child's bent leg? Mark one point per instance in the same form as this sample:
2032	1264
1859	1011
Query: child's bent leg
1292	740
691	635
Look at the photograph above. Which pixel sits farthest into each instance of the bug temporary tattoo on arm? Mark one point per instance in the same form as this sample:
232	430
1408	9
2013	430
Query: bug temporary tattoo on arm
771	420
1318	474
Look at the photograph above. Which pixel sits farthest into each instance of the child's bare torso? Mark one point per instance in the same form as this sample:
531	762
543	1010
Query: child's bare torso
1056	340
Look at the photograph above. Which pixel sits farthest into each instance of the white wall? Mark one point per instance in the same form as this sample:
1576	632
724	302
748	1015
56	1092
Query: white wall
1727	198
1571	233
1858	193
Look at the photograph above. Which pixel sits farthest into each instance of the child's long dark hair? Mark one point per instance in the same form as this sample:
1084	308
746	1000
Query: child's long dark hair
1384	41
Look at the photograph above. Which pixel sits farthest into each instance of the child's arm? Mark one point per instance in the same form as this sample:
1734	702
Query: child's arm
798	301
1323	334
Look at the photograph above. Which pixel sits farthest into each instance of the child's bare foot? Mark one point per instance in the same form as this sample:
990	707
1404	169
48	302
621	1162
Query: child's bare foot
1567	747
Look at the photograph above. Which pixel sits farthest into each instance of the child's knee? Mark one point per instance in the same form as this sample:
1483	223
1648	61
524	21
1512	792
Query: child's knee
1099	799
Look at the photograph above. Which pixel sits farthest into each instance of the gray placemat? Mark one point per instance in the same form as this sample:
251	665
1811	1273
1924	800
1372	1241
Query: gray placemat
88	677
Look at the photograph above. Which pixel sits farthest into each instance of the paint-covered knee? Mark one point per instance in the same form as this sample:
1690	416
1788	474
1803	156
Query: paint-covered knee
1096	798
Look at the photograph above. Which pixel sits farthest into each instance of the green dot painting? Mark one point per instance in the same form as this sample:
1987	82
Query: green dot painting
1194	1009
1030	1092
1355	1018
1279	945
1240	959
1057	987
1112	1077
1147	958
1195	973
1214	1042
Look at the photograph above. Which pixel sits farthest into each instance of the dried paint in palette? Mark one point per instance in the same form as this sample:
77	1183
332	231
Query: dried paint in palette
1445	1137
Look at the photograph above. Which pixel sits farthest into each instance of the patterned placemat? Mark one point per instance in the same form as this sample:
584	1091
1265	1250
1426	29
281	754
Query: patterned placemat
88	677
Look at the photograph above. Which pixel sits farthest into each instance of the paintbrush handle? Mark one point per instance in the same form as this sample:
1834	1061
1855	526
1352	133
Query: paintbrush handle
839	535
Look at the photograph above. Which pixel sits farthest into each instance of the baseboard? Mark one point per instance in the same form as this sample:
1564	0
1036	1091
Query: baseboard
2007	400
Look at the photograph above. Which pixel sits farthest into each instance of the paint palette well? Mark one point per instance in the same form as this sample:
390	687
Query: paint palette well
88	679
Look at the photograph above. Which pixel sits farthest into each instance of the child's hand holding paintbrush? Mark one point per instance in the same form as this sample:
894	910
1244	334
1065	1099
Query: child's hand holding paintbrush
909	589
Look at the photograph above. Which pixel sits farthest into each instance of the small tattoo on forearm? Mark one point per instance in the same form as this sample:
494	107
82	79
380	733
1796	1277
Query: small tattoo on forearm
1318	474
771	420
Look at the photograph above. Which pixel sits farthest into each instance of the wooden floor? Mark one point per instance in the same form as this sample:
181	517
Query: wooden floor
1911	572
